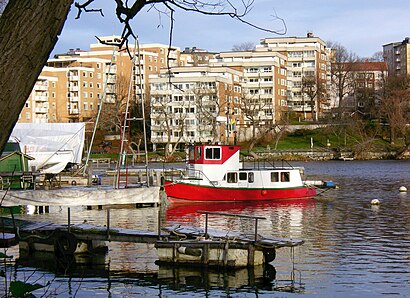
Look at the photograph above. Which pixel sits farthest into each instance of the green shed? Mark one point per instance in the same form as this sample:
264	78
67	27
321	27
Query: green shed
14	170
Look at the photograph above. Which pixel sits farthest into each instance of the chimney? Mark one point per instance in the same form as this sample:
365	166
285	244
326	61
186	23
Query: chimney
309	35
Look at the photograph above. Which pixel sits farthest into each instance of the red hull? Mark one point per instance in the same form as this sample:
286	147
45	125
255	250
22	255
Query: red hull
189	192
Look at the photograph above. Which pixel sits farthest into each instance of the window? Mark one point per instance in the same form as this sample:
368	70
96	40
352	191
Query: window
232	177
251	177
243	176
285	176
274	176
85	106
91	106
212	153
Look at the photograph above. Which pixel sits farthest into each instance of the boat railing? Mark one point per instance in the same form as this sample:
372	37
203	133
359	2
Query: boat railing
191	174
250	217
268	164
199	175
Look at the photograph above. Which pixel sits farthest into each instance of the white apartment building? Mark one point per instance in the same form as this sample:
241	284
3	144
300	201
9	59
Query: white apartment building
306	57
264	85
194	104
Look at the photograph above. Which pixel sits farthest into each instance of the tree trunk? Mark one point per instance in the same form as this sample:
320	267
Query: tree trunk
28	32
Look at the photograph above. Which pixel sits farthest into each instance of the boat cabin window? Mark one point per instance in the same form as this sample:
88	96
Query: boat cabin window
251	177
191	153
232	177
212	153
280	176
285	176
198	153
243	176
274	176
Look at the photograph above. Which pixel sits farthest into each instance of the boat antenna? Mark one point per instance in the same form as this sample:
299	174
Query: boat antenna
100	108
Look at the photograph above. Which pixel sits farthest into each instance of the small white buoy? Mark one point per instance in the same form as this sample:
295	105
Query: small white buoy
375	202
403	189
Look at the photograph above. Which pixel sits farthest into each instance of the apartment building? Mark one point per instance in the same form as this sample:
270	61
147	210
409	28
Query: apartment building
41	102
194	104
367	82
69	89
264	86
195	57
78	80
307	57
397	56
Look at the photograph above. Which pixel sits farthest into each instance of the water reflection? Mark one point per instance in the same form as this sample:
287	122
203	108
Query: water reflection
351	247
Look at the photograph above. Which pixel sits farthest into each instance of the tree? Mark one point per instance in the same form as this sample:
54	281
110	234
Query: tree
30	29
28	33
312	89
342	72
208	106
110	118
245	46
395	107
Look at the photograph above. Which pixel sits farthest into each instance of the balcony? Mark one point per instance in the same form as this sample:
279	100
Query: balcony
73	111
73	99
41	110
40	98
73	88
40	87
73	78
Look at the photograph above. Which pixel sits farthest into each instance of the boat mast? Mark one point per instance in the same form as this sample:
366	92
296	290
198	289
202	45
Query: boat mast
125	133
99	109
142	97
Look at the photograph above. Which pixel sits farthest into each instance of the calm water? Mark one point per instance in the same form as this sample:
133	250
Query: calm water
352	249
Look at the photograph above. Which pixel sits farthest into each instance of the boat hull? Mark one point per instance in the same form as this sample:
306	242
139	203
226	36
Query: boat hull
177	191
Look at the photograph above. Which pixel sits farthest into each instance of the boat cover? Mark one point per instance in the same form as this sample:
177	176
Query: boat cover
53	145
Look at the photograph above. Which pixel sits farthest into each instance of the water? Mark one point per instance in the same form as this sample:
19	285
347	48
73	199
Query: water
351	249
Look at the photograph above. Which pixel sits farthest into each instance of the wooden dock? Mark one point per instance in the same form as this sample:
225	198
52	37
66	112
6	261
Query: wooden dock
175	245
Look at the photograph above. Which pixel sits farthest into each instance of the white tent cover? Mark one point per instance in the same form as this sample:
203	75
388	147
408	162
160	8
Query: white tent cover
50	143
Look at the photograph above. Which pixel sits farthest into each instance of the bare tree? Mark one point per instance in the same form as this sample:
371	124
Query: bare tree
111	113
169	117
342	72
310	88
396	108
252	106
29	31
245	46
209	106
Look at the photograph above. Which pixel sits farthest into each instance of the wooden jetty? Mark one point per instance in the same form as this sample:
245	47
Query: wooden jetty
176	245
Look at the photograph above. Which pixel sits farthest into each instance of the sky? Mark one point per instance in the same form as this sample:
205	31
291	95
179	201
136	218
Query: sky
361	26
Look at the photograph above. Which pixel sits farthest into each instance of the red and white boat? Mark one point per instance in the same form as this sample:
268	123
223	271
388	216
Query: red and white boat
215	173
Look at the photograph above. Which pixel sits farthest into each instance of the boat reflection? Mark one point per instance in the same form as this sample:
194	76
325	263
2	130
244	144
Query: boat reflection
175	278
187	212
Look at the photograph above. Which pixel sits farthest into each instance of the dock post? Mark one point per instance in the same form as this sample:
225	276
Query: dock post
256	229
108	223
68	218
159	223
206	225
